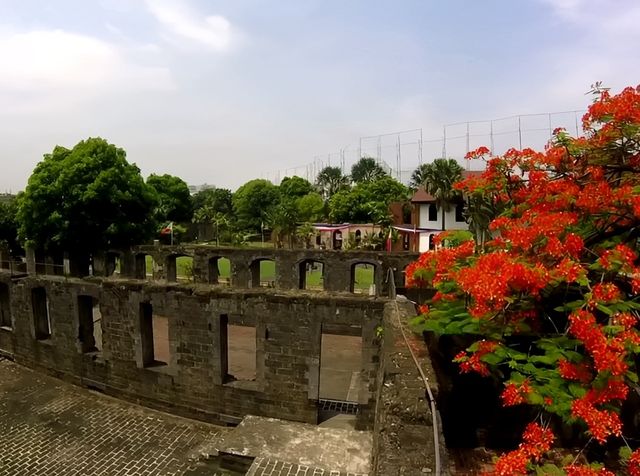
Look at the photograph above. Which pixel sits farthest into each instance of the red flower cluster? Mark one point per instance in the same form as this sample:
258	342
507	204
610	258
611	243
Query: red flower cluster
608	353
478	153
515	394
577	470
578	372
536	442
473	363
604	293
633	465
601	423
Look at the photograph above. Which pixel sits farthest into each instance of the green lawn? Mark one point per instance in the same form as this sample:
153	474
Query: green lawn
364	276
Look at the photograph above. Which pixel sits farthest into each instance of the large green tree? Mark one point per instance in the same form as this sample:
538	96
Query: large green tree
330	181
252	202
295	187
9	224
213	206
366	170
86	199
174	198
439	177
367	202
418	176
310	207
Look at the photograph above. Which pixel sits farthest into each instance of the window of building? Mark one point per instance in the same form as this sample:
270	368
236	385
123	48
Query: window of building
460	213
41	318
433	212
237	351
5	306
154	336
89	324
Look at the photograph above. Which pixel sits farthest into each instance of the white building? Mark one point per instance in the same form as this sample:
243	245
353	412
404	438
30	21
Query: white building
429	219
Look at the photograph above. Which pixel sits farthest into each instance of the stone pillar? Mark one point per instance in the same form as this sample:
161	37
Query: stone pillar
240	275
171	269
201	269
99	264
337	275
287	271
31	260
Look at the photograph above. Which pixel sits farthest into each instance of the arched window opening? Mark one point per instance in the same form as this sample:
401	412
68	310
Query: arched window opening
311	275
363	278
263	273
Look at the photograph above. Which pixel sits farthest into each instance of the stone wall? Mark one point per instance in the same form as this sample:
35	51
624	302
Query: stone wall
403	431
288	340
289	265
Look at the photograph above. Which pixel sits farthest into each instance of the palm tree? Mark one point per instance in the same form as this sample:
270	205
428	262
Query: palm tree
366	170
418	176
331	180
439	177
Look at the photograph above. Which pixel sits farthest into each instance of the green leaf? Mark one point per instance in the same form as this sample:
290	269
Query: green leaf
625	453
549	470
604	309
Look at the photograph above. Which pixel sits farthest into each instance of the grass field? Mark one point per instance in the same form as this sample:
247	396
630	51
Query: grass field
364	275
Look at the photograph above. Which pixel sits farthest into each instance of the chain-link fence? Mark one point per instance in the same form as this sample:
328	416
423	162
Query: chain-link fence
399	153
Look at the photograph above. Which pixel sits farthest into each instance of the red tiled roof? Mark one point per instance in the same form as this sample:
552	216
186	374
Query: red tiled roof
421	196
471	173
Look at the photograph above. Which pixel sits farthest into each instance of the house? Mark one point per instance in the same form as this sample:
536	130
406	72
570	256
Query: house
428	219
336	236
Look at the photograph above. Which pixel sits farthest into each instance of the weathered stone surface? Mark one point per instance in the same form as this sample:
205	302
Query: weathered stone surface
326	449
288	332
403	430
48	427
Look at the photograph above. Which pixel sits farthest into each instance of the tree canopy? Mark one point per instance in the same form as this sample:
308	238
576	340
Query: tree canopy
366	170
174	198
9	224
550	303
419	176
367	202
295	187
252	202
87	198
330	181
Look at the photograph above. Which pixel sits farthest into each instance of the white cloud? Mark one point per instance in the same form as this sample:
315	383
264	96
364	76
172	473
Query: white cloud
212	31
50	66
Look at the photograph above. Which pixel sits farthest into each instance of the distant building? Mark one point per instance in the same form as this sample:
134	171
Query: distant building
428	219
193	189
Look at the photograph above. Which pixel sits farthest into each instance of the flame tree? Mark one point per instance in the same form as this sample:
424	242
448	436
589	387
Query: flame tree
559	272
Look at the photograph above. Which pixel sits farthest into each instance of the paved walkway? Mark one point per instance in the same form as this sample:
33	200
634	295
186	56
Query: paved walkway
283	448
51	428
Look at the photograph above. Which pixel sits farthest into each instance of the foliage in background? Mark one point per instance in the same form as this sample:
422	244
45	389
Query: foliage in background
85	199
552	296
9	225
252	203
173	197
367	202
331	180
367	170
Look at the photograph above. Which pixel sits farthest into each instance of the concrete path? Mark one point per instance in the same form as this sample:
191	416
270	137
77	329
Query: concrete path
288	448
50	428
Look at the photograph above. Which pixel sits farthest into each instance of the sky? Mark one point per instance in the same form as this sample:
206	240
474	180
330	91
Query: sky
221	92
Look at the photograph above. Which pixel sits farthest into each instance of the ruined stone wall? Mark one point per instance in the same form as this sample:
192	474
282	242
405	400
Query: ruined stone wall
288	340
403	431
338	265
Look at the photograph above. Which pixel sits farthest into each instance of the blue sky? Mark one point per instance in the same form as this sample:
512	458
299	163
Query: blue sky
225	91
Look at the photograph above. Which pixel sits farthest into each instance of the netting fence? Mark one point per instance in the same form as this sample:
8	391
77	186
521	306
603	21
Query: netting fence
399	153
